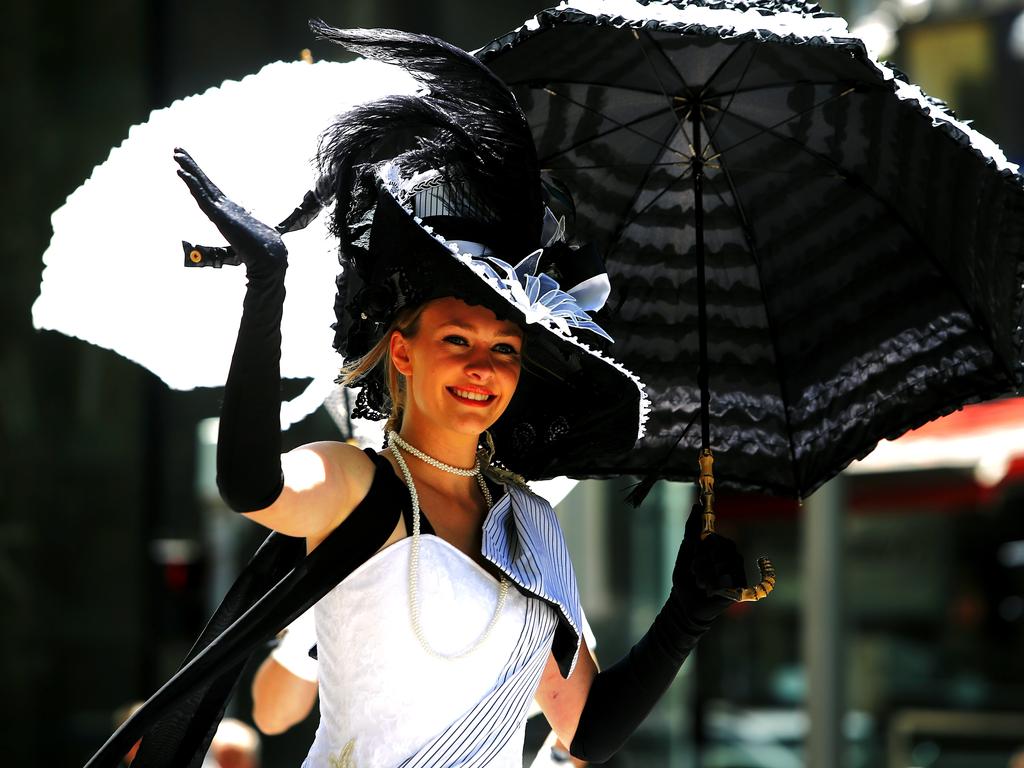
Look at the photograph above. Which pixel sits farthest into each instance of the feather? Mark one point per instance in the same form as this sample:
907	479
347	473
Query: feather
465	120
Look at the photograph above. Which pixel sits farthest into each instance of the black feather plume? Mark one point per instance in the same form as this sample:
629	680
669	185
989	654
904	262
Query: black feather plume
465	119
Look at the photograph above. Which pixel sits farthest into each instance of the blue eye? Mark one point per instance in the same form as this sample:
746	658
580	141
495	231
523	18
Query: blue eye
501	348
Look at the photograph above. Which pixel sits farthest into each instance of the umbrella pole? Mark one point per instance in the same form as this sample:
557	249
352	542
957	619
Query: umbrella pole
707	459
702	309
707	479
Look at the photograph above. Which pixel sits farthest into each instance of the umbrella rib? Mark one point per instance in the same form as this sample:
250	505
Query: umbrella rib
620	231
782	172
856	84
671	100
628	221
612	165
794	174
597	136
643	49
713	132
540	86
624	126
748	235
770	129
722	66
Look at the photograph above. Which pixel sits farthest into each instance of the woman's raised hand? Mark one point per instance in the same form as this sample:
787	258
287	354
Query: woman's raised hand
259	246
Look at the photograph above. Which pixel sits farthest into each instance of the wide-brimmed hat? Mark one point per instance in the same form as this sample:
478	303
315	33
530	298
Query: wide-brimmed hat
440	194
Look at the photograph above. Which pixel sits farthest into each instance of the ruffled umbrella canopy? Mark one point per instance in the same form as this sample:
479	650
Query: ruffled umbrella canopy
113	273
807	254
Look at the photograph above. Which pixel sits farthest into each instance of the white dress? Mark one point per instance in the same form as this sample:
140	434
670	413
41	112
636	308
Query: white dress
385	702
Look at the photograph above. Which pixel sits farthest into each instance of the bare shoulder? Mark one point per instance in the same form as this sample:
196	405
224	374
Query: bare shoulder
342	459
323	482
353	469
343	467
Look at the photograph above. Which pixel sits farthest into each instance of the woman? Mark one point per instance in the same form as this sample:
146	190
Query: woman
460	603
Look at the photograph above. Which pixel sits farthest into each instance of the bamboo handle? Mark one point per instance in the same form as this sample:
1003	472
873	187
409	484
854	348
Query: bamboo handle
754	592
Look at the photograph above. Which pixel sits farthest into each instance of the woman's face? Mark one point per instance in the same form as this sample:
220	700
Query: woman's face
461	366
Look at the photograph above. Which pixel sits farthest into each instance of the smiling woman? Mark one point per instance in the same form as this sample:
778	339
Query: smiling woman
461	370
445	599
446	331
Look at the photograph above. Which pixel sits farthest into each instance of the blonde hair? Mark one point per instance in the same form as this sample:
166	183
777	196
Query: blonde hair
407	323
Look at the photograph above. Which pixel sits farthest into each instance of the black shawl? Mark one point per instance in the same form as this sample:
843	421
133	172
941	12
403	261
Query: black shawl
280	582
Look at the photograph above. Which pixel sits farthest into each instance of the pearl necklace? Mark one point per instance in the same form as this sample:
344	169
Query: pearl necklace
394	443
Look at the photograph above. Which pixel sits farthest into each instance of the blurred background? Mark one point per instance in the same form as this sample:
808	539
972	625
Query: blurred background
895	637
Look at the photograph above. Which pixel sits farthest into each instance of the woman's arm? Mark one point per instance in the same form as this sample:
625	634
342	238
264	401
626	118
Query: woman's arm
315	487
595	712
562	699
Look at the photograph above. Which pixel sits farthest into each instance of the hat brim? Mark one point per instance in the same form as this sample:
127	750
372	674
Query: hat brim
573	408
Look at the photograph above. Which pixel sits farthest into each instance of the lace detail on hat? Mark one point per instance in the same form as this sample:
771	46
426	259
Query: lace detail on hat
372	402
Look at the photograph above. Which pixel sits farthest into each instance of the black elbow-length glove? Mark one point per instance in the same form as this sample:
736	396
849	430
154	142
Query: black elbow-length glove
623	695
249	443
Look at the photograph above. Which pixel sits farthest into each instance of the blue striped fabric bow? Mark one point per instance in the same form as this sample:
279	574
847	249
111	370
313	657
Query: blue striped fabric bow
542	300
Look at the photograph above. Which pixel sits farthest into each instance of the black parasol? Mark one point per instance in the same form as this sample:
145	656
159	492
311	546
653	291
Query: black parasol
859	251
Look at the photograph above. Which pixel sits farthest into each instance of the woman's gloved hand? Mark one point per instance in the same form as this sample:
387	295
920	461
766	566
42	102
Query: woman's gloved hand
259	246
249	442
703	568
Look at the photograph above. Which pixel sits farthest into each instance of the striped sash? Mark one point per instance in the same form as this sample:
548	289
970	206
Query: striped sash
477	737
522	538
